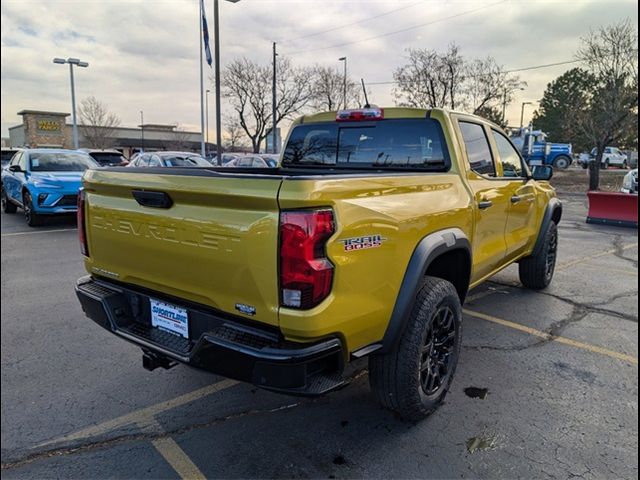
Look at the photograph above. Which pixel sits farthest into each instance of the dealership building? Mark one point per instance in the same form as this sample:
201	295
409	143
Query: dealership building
41	129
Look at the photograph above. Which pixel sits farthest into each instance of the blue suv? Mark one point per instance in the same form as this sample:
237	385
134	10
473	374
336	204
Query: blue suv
43	182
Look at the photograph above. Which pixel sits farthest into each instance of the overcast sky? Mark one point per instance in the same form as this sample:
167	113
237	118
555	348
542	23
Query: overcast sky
143	55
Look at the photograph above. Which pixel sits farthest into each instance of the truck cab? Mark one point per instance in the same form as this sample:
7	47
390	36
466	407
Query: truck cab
536	150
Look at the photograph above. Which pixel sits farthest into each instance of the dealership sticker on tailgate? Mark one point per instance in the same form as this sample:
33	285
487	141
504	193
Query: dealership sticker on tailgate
170	318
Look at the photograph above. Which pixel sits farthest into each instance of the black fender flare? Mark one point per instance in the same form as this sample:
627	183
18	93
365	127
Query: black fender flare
553	211
427	250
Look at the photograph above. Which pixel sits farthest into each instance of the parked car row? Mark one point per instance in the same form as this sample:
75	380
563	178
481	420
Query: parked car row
46	181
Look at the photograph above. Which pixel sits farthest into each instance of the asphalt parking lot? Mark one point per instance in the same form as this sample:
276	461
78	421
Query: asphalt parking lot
547	385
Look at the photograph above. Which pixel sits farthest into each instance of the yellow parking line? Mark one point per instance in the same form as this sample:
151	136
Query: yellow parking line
36	232
593	257
144	416
565	341
176	457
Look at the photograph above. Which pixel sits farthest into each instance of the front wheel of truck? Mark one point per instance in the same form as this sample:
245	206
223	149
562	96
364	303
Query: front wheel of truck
536	271
414	378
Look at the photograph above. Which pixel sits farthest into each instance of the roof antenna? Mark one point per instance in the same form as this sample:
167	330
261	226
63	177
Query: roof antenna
366	99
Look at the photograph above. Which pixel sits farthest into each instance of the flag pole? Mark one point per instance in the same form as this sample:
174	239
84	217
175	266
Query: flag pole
201	42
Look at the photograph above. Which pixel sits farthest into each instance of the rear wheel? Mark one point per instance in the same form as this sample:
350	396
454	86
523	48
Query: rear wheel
562	162
414	378
7	205
32	218
604	165
536	271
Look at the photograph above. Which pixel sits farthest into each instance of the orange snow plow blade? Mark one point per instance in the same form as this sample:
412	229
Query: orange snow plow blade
608	208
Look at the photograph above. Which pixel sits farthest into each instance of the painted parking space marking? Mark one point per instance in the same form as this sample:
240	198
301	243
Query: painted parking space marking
175	456
145	416
38	232
552	338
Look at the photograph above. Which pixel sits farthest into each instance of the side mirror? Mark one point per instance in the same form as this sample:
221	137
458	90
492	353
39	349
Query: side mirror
542	172
15	168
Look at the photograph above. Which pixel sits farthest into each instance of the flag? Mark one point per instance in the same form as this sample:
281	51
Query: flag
205	35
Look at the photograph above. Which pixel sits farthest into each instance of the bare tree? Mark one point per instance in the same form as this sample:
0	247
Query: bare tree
328	87
248	86
487	85
97	124
610	54
430	79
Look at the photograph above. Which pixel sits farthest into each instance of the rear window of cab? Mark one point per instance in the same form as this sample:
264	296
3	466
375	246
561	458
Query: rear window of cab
402	144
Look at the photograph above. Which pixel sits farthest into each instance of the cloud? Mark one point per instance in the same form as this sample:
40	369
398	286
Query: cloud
143	55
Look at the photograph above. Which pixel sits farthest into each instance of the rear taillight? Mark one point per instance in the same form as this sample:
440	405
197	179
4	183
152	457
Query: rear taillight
82	234
306	273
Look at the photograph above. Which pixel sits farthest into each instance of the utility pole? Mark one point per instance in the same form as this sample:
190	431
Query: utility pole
274	135
344	88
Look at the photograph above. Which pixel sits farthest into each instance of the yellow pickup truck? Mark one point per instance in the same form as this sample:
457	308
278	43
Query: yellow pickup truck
363	242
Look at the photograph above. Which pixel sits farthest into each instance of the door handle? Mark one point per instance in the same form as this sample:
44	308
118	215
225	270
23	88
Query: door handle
516	199
484	204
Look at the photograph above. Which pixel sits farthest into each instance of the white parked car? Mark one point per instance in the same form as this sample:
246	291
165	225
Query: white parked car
612	157
630	182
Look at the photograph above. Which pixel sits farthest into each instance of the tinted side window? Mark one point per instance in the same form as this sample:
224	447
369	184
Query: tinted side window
478	150
509	157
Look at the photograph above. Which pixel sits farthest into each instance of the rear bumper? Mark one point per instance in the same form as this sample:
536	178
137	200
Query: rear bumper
217	343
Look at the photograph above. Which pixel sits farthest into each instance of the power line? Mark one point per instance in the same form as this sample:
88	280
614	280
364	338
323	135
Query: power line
389	12
414	27
514	70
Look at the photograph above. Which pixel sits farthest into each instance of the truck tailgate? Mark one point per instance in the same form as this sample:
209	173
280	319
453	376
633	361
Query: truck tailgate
216	244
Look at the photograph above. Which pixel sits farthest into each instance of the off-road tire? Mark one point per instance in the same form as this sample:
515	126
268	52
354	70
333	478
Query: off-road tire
536	271
7	205
396	377
32	218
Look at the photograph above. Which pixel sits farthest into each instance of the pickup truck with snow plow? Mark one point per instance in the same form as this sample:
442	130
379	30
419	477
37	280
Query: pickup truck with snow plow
363	242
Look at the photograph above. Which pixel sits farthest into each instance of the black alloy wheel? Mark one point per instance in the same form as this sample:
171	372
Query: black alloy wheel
437	350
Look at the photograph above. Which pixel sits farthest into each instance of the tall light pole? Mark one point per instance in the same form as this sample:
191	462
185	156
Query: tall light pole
522	113
274	107
77	63
504	103
216	27
207	121
344	87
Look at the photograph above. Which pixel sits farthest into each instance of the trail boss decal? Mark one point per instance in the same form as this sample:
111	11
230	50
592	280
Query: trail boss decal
362	243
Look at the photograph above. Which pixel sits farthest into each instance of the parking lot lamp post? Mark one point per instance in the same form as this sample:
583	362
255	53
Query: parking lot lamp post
78	63
522	113
344	86
504	103
216	27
